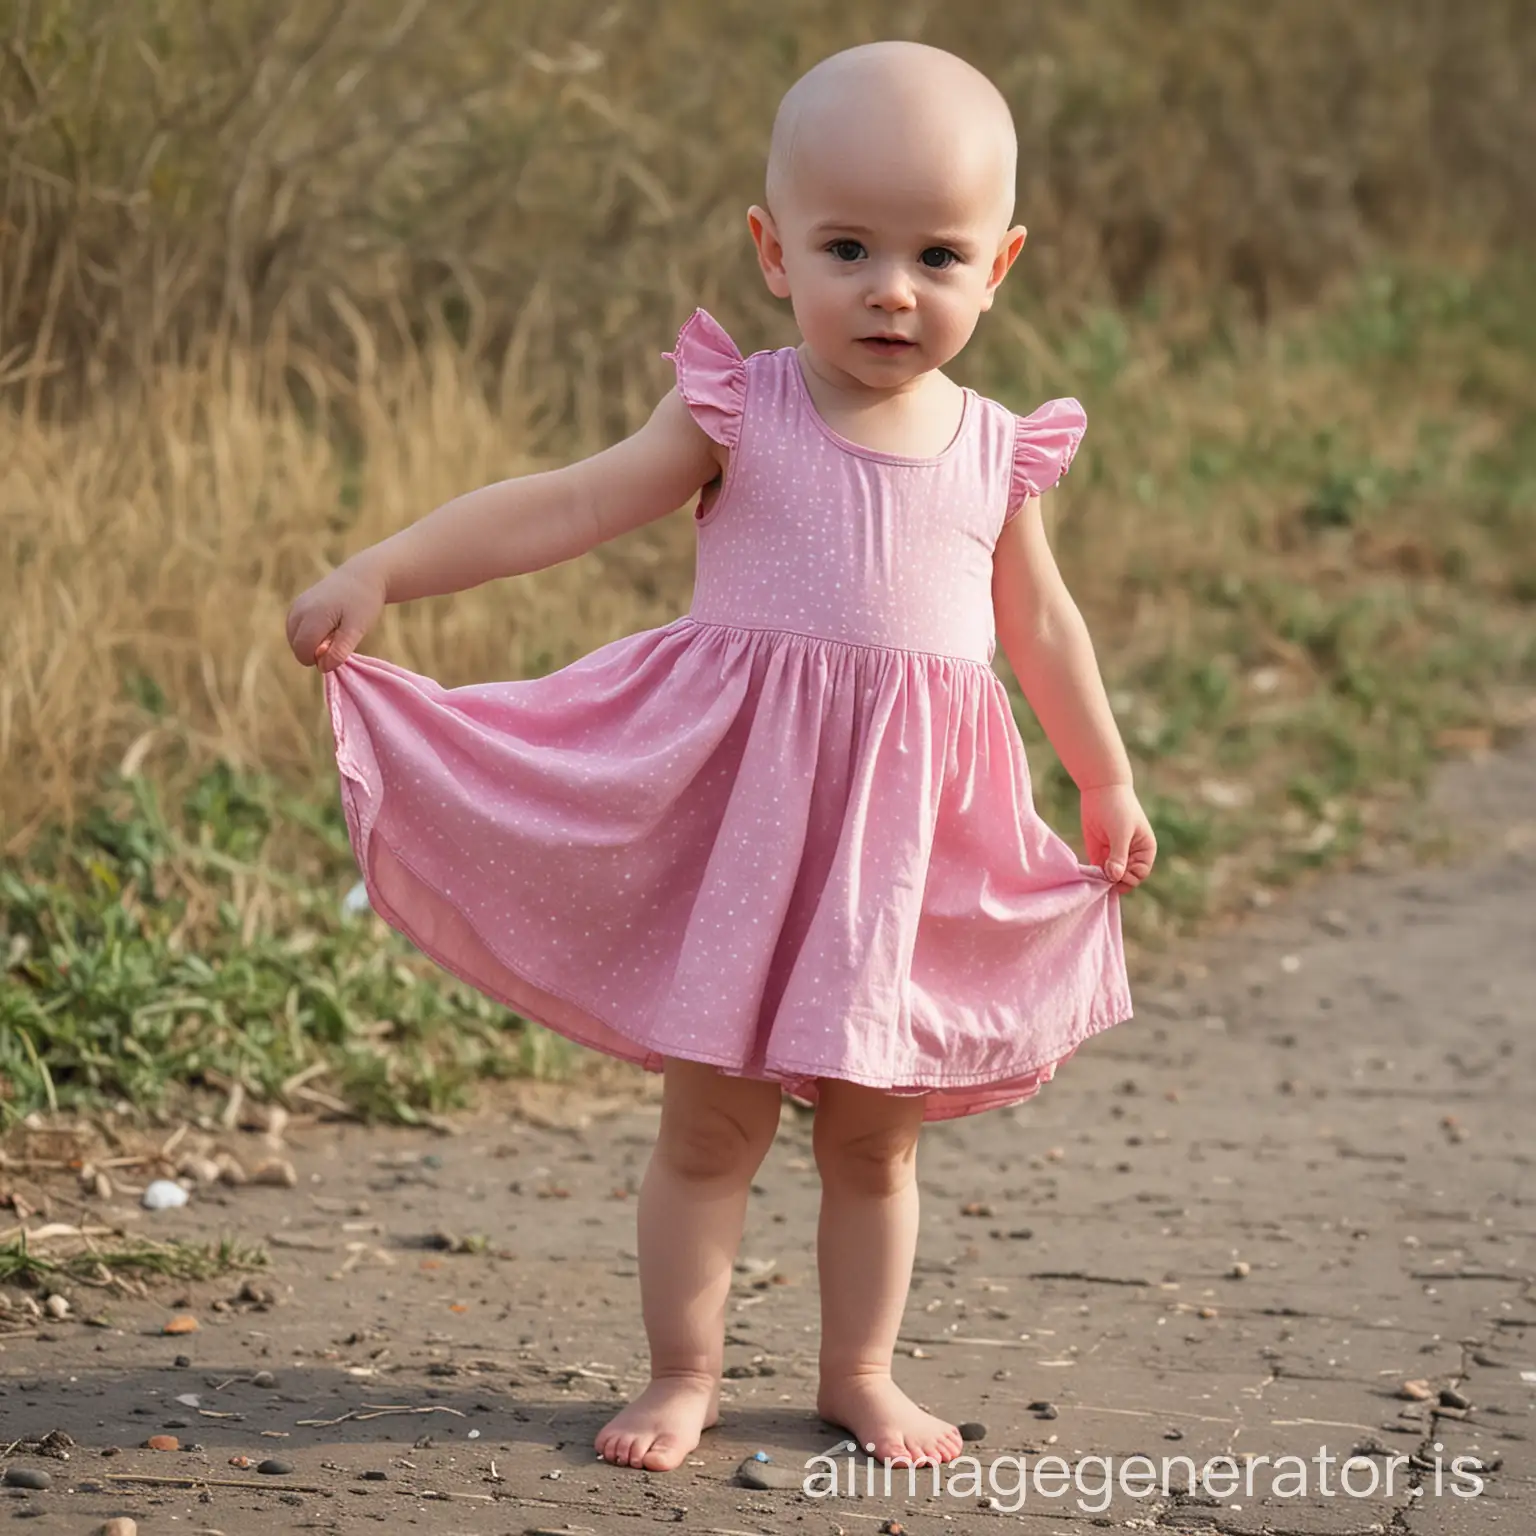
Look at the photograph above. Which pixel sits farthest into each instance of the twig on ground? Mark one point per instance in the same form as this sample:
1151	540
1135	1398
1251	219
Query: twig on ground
376	1413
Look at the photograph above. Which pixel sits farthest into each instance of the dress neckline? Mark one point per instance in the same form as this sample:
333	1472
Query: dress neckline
967	398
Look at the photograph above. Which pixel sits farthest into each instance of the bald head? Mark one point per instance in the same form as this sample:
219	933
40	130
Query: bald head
896	109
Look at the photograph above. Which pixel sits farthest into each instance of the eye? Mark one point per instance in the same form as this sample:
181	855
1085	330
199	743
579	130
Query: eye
845	250
939	257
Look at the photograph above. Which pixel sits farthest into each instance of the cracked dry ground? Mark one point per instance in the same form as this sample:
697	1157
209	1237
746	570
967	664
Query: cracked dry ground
1337	1099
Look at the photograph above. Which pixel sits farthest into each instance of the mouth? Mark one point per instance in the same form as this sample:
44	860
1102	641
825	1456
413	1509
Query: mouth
887	345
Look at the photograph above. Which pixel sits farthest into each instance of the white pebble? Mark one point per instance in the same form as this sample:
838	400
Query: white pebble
163	1195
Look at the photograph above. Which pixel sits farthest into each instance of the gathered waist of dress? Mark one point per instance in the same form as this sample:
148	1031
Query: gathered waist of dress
875	646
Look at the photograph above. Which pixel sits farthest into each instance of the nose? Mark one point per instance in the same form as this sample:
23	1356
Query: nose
890	287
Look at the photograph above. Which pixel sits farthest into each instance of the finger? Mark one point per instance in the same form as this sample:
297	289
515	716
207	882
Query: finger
333	650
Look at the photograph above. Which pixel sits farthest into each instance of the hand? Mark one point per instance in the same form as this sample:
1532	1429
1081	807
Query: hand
327	622
1117	835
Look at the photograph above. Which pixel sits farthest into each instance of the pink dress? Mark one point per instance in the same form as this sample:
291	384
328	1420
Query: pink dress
789	833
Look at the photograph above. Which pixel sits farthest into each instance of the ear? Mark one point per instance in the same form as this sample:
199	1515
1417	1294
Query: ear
770	250
1007	254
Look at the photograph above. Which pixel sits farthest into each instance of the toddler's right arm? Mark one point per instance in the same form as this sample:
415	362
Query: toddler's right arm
508	529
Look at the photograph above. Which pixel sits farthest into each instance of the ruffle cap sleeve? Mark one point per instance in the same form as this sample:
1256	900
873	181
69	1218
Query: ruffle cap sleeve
1044	444
711	376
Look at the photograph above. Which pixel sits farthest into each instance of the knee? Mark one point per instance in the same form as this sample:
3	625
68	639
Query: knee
872	1163
712	1144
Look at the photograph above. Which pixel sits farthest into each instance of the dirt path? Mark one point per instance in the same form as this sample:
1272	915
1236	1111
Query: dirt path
1236	1225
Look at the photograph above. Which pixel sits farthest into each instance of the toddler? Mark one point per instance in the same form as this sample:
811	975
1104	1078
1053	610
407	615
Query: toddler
786	841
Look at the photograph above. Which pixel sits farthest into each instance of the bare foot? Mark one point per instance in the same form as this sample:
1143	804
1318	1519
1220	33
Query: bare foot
877	1412
662	1425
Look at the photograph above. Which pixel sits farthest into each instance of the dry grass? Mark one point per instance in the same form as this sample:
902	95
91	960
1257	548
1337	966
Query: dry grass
149	551
180	176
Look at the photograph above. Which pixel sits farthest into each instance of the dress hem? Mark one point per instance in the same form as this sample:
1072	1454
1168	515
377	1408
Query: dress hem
947	1095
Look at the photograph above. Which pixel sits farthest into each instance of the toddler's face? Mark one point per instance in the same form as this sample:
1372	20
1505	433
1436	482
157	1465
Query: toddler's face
887	277
891	188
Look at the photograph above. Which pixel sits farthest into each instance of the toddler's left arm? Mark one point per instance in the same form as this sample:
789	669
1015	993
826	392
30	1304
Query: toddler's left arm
1042	633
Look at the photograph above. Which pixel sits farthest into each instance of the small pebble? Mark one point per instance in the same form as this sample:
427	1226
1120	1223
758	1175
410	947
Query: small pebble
972	1430
28	1477
182	1361
163	1443
241	1463
163	1195
263	1379
1451	1398
375	1477
753	1473
183	1322
1241	1270
56	1307
1415	1391
272	1467
121	1525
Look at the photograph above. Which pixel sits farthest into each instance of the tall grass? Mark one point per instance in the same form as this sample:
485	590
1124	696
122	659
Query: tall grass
558	177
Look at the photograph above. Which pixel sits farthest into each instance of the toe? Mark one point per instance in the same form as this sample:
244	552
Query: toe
664	1453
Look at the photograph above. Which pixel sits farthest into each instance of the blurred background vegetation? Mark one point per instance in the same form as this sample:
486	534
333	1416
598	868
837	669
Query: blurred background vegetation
277	278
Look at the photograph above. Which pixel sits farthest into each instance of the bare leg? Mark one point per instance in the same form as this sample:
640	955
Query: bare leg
866	1149
715	1132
